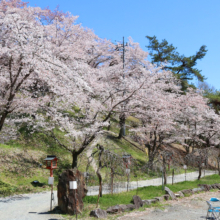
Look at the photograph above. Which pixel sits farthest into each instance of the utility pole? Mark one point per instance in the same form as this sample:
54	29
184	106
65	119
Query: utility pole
122	116
123	55
123	46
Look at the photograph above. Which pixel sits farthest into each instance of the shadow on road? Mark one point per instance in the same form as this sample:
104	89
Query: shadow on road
45	213
14	198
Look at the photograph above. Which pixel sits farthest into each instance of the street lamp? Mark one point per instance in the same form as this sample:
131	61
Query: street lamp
185	168
127	171
51	163
127	161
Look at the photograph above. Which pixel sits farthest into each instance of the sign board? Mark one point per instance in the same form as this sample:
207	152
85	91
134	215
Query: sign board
51	180
73	184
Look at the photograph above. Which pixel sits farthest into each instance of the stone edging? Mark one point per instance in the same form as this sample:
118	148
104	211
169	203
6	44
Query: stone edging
137	202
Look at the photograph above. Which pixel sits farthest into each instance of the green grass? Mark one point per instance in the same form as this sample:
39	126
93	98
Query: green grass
148	192
144	193
40	143
7	189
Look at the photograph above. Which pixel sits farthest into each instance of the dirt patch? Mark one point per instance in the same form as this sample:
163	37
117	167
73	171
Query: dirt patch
20	161
188	208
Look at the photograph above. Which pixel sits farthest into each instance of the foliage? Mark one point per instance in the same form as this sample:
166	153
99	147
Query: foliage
64	87
182	67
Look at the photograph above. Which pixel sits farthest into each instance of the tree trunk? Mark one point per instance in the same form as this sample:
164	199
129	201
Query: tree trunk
109	127
100	182
122	125
75	159
75	154
150	163
164	171
6	111
101	149
200	172
151	157
2	120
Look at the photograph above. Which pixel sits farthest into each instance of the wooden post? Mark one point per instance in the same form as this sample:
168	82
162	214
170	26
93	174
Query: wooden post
172	176
112	180
218	167
127	181
137	186
75	204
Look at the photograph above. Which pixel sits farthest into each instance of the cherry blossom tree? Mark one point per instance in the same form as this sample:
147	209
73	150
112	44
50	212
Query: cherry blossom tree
199	124
31	72
61	78
83	118
156	108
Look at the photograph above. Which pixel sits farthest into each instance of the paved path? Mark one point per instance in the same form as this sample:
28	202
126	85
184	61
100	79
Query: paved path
36	206
188	208
122	187
28	207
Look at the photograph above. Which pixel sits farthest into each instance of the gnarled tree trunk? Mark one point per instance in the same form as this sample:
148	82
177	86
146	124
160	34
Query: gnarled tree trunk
122	125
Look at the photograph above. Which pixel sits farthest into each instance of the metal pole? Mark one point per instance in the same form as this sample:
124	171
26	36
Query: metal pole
51	198
137	188
123	56
185	174
127	181
75	204
218	168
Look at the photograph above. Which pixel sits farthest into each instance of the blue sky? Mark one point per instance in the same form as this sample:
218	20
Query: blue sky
186	24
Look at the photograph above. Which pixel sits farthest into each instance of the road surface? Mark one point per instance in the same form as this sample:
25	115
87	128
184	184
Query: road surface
37	206
188	208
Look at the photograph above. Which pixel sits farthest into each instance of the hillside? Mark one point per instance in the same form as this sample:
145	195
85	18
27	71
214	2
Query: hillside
23	160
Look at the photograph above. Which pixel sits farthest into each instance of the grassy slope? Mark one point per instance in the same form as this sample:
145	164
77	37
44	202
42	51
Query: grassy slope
20	164
20	159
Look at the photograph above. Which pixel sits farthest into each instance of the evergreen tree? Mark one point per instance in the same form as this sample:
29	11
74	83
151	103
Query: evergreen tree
212	94
182	67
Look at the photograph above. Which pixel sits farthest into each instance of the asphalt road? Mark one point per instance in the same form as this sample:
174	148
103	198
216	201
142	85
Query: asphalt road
122	187
37	206
28	207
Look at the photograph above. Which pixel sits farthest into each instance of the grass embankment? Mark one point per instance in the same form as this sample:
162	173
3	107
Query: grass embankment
22	162
148	192
144	193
